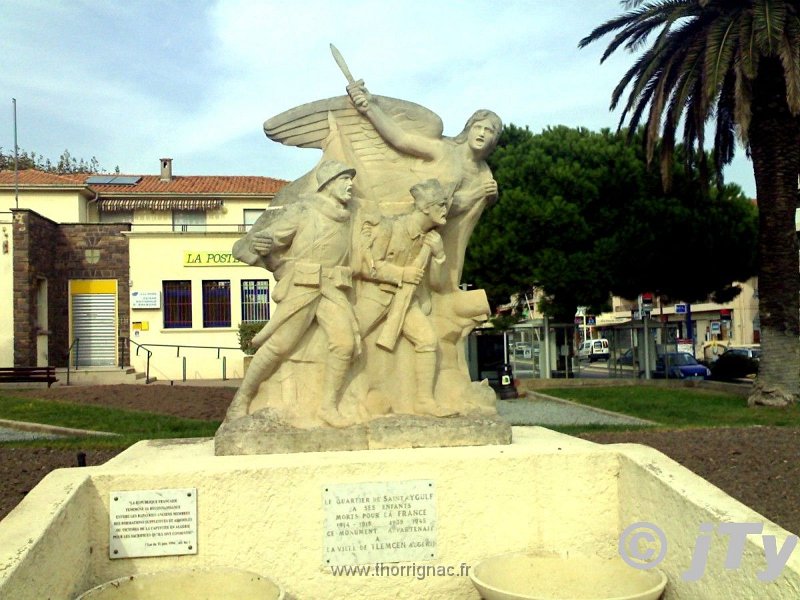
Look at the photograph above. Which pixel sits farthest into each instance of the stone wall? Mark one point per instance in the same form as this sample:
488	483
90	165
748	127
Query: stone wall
59	253
35	241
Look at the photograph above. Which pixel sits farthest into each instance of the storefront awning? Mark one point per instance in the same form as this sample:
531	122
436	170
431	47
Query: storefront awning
124	204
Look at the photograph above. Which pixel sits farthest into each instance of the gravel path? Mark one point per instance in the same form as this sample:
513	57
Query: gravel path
553	412
15	435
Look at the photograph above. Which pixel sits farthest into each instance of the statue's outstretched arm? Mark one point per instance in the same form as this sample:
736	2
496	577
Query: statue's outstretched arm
401	139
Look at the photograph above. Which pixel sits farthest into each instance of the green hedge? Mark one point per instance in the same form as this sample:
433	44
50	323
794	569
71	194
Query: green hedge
246	333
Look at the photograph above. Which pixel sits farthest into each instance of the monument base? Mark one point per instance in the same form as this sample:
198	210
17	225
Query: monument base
263	433
276	515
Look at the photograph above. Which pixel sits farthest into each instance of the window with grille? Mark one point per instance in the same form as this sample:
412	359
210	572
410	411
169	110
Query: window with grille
216	303
255	300
177	304
188	220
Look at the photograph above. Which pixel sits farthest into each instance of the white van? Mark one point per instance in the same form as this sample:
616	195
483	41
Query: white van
593	350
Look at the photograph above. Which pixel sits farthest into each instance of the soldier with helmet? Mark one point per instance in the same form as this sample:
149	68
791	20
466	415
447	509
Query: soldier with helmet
307	247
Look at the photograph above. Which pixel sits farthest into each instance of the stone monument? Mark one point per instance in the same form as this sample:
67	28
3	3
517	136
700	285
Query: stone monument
366	348
365	352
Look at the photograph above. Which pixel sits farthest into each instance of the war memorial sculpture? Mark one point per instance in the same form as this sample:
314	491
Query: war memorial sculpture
365	352
367	250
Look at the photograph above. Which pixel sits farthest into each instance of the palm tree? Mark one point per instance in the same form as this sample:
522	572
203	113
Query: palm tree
736	63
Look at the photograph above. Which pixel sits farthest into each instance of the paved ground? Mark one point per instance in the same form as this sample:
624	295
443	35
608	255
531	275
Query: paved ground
15	435
548	411
536	409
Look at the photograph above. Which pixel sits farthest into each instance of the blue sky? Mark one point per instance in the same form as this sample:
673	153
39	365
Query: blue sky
131	82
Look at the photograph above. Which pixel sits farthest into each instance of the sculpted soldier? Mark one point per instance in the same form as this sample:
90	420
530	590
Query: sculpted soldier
395	254
308	249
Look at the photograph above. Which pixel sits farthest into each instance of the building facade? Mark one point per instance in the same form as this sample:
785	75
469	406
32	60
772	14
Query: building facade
114	270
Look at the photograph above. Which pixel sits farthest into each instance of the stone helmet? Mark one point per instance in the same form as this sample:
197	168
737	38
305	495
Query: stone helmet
330	170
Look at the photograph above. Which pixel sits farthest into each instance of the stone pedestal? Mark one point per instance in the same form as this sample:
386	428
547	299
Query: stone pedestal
263	433
543	493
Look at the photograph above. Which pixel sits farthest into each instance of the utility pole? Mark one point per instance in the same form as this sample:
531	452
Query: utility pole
16	156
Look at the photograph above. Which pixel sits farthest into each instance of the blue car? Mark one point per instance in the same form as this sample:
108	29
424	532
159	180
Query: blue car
679	365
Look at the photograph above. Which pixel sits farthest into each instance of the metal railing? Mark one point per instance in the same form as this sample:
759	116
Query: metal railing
147	360
183	229
75	344
123	350
178	348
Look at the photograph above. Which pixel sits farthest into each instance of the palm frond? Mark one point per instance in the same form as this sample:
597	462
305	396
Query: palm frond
769	18
663	14
724	138
789	53
643	100
721	42
669	84
639	66
657	103
620	22
694	119
747	56
655	60
679	103
743	91
631	22
632	37
701	67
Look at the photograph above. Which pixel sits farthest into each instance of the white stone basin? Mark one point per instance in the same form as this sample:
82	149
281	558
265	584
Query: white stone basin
194	584
521	576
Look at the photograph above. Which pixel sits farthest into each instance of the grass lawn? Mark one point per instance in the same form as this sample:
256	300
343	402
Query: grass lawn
132	426
680	407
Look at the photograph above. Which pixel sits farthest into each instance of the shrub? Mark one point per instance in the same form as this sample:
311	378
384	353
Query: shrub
246	333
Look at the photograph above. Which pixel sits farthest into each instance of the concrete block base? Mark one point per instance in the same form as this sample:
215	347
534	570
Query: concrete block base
261	433
544	493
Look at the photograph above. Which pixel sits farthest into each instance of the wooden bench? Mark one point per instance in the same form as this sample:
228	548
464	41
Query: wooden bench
28	374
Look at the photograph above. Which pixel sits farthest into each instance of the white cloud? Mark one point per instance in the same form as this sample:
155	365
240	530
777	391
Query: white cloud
132	82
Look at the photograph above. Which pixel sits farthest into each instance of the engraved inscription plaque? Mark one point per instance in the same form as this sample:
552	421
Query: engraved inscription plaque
374	522
152	523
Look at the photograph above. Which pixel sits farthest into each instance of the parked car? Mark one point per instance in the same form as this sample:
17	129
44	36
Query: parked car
626	358
679	365
753	352
737	363
593	350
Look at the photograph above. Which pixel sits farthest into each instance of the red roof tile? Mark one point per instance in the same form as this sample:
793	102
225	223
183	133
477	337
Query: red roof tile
152	184
34	177
195	184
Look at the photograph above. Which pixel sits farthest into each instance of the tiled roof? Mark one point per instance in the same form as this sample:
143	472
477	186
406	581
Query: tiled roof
34	177
195	184
152	184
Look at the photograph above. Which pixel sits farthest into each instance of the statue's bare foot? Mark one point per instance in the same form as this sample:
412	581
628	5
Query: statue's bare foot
429	407
332	417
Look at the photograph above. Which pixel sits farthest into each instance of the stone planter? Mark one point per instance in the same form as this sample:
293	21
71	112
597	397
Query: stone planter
223	583
521	576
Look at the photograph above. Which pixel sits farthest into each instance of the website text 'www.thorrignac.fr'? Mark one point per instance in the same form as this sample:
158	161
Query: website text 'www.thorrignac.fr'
394	570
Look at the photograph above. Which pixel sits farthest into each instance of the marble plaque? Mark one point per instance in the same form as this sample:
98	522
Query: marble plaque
152	523
376	522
